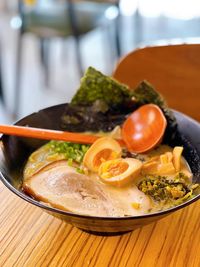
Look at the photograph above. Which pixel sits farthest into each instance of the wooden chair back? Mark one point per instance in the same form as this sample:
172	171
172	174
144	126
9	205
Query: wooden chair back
174	70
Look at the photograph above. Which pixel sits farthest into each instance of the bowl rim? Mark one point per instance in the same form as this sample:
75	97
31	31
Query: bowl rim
85	216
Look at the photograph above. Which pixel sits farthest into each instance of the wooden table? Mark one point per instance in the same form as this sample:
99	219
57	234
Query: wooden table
30	237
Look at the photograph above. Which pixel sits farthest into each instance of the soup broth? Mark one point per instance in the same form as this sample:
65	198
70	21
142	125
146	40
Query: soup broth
68	185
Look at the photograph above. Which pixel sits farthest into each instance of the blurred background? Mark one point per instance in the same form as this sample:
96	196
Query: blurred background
46	45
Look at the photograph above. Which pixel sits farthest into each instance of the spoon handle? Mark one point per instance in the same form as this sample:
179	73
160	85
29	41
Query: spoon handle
46	134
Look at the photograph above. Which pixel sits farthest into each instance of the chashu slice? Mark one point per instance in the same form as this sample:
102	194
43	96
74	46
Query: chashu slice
63	188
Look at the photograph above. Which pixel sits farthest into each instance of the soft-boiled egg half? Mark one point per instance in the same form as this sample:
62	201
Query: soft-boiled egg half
120	172
105	148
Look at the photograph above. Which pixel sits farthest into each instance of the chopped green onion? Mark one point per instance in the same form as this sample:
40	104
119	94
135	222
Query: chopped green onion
71	151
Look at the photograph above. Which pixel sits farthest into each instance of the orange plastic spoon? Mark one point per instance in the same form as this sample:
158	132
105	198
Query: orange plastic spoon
50	134
142	131
144	128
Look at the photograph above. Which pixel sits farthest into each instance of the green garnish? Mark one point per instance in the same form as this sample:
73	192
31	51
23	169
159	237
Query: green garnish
162	189
72	152
70	162
80	170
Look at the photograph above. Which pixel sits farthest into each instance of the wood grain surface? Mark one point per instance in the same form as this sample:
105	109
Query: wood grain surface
31	237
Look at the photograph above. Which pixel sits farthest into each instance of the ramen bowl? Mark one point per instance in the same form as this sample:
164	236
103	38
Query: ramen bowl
14	152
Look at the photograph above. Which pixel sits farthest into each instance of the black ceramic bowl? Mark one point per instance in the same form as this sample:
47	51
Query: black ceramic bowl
15	150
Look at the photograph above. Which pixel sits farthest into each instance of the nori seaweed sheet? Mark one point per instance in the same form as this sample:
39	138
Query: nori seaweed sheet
145	93
101	103
81	119
97	86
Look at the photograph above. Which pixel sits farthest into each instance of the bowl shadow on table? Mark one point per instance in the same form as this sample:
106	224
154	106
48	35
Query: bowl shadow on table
15	150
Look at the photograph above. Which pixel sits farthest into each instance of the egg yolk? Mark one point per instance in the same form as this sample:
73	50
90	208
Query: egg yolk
104	155
119	172
102	150
115	168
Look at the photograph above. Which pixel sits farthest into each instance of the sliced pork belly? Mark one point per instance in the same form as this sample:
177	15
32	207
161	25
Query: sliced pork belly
64	188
